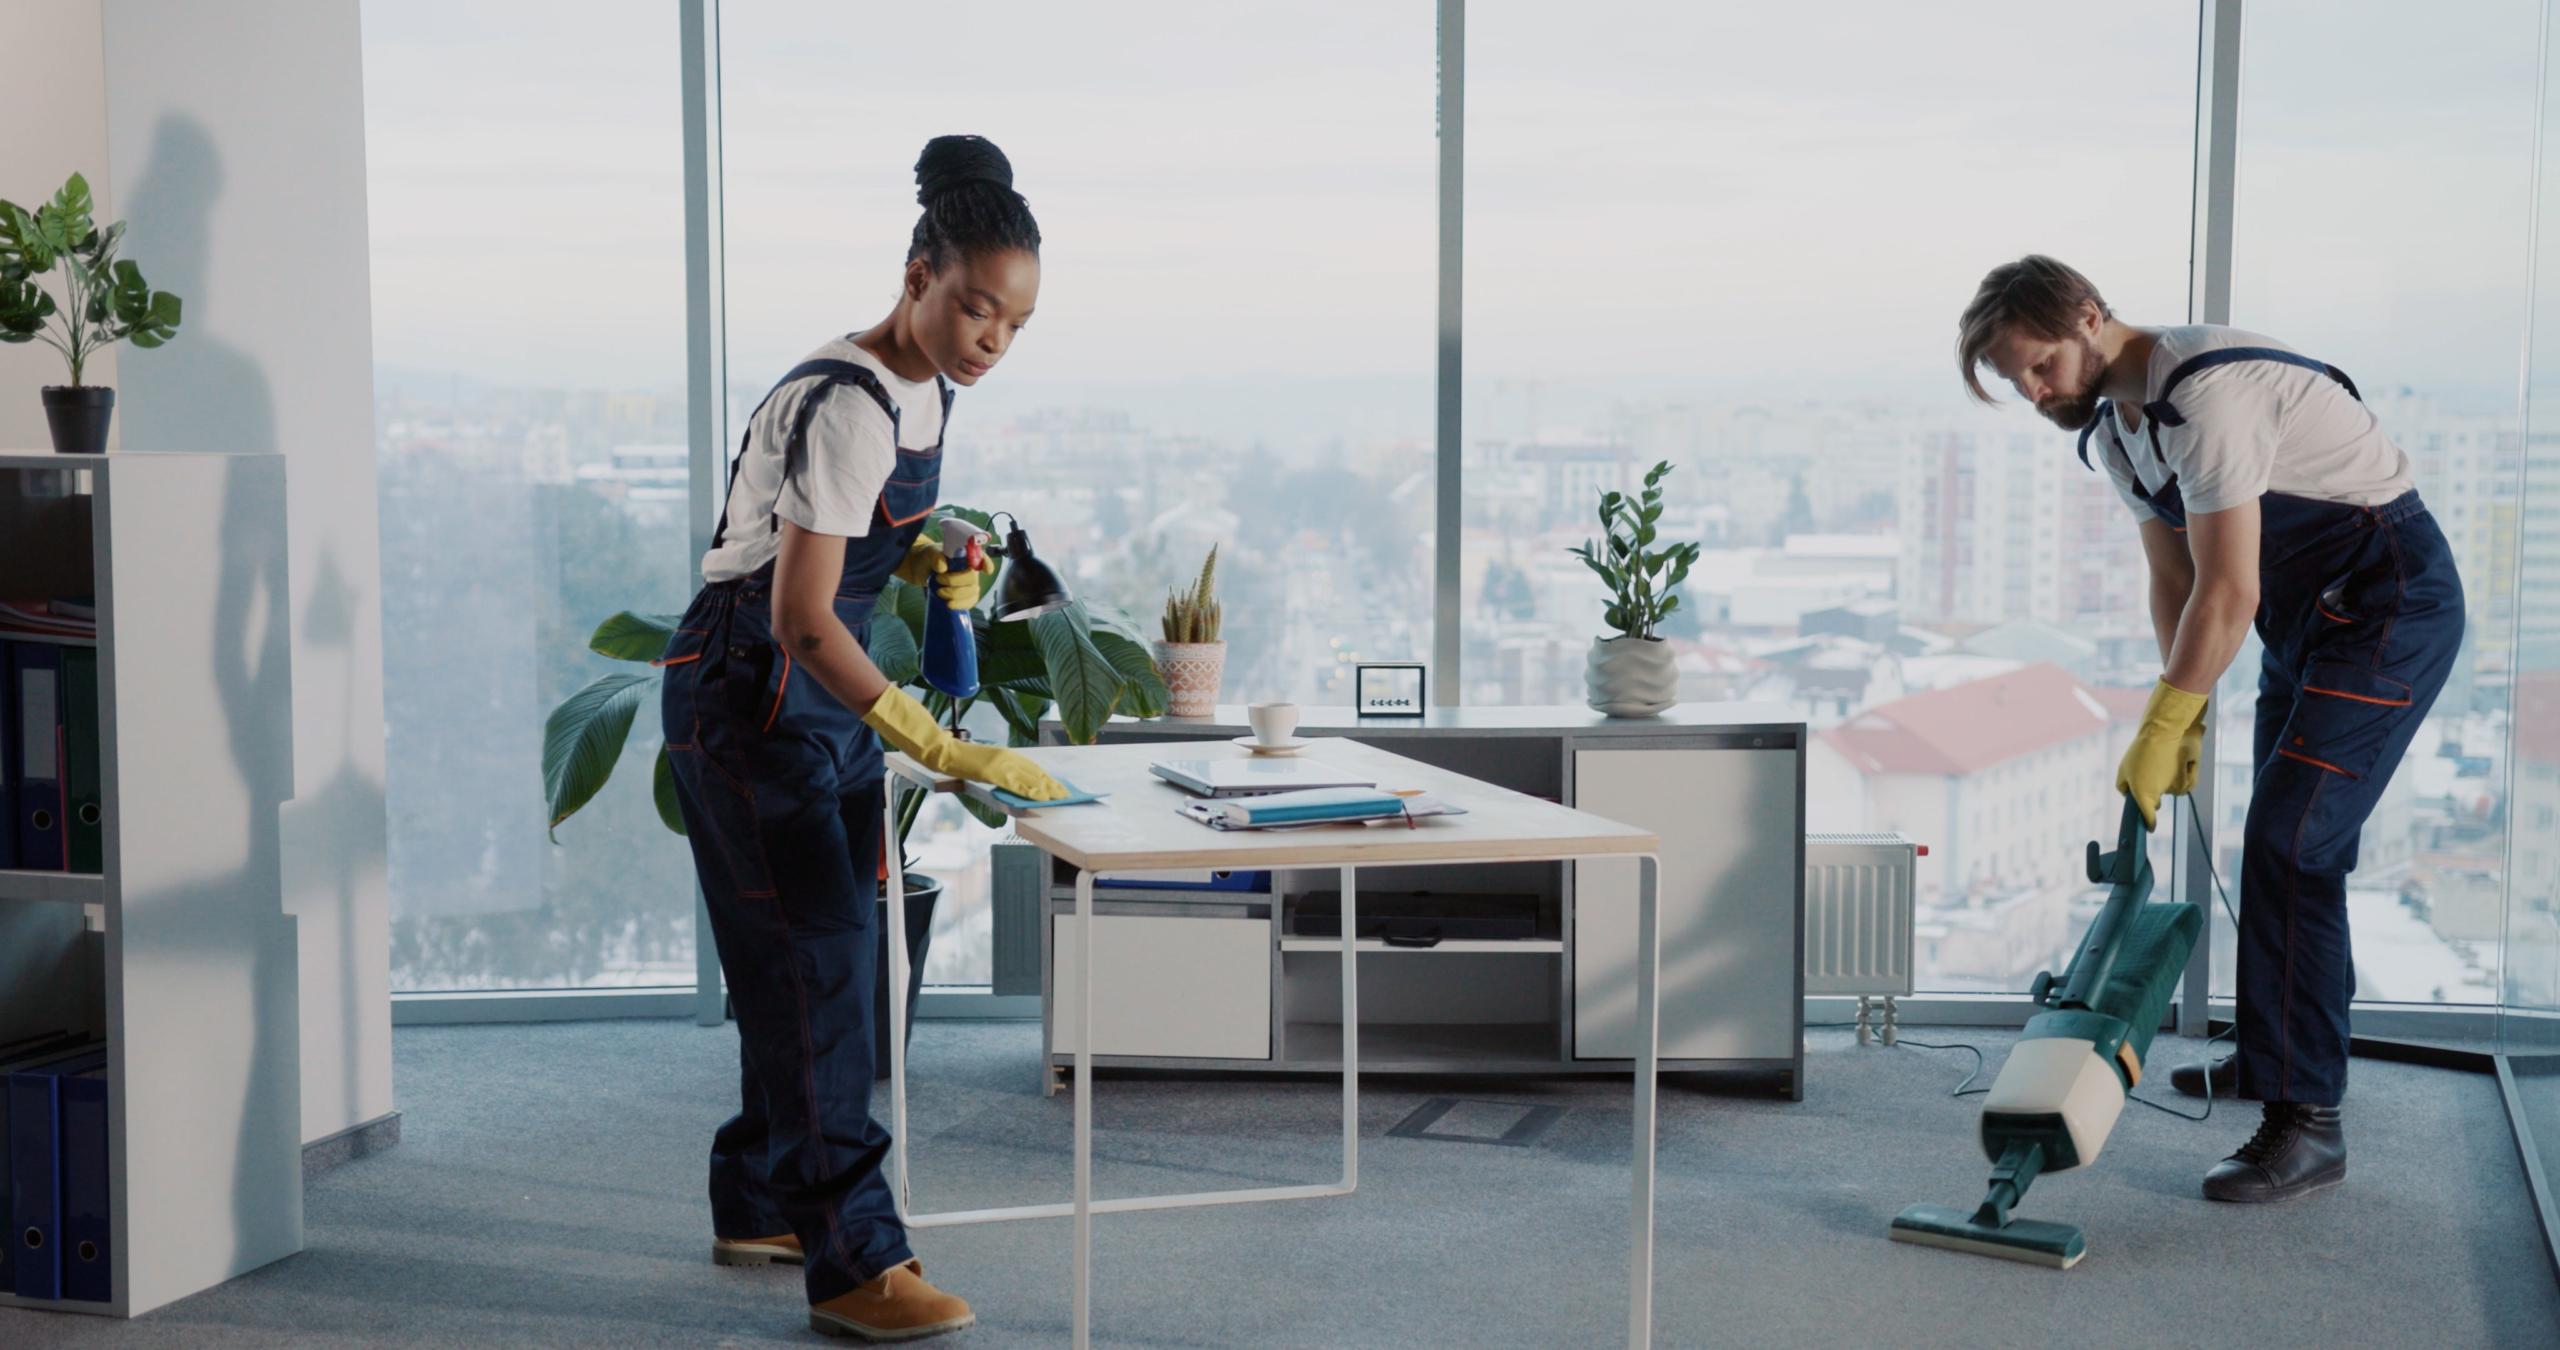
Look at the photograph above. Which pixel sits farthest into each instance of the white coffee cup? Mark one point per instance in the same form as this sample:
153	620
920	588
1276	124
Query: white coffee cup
1273	723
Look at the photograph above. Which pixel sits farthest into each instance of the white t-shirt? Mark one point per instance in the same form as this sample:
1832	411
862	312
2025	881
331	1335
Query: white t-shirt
847	456
2252	427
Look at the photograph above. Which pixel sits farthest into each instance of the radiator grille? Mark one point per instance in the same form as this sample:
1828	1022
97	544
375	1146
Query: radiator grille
1858	914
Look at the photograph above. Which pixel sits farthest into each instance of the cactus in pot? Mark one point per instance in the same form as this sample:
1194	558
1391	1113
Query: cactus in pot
1191	655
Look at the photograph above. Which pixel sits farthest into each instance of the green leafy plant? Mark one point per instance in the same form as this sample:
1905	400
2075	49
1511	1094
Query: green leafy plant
104	300
1085	663
1193	615
1640	594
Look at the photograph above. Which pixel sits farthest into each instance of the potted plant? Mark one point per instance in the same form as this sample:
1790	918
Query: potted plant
104	301
1191	655
1632	674
1085	663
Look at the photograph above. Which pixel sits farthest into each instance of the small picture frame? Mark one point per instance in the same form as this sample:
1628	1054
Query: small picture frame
1389	689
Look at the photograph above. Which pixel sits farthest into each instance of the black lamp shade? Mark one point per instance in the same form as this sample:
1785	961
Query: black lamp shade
1028	588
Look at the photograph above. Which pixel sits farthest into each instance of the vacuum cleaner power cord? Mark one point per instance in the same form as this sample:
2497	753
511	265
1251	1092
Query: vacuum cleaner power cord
1966	1088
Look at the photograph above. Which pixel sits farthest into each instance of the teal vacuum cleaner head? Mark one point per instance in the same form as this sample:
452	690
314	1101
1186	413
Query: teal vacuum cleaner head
2059	1093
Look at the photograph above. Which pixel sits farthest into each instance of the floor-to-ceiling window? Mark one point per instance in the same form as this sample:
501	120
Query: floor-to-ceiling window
1234	339
2381	225
526	176
2529	968
1737	238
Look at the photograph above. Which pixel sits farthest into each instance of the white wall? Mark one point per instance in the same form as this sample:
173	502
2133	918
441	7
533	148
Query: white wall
53	104
236	138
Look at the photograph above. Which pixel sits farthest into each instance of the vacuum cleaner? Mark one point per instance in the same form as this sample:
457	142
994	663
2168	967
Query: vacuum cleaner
2065	1083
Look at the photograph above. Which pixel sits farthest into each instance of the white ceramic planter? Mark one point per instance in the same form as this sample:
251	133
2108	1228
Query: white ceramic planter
1191	674
1632	677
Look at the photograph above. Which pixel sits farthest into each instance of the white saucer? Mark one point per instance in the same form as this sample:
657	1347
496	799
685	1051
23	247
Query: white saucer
1288	747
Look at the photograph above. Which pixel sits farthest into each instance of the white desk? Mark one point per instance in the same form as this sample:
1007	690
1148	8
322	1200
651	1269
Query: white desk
1138	830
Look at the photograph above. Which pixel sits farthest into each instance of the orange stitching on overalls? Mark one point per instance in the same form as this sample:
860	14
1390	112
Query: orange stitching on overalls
665	661
2315	763
779	690
910	520
2324	613
2358	698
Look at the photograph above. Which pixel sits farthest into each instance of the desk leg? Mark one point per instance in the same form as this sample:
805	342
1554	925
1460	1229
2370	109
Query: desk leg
1084	1109
896	975
1648	1055
1350	1029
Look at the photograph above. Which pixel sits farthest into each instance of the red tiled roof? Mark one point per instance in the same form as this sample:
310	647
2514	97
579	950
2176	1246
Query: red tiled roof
2123	705
1972	726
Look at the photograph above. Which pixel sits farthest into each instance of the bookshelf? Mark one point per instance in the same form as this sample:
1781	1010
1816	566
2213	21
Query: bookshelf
179	951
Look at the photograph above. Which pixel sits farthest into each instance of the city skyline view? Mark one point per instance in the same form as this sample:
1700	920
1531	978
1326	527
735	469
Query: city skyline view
1234	344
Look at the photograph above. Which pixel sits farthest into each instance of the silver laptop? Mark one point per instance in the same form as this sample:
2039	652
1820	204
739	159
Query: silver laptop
1253	777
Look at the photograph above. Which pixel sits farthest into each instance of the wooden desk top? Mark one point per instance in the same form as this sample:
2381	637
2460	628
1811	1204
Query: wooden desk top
1138	827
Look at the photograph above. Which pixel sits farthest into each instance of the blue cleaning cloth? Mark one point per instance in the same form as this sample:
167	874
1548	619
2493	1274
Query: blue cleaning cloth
1076	796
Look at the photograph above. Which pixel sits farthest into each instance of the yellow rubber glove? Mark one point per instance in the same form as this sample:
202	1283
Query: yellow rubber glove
926	563
904	723
2190	754
2151	765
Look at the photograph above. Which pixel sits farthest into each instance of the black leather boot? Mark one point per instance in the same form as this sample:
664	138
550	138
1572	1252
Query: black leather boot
2190	1078
2298	1149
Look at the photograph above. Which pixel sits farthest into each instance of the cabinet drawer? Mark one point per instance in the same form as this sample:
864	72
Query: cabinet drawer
1168	987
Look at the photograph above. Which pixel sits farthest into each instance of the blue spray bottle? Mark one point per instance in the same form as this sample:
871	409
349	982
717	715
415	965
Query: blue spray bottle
950	648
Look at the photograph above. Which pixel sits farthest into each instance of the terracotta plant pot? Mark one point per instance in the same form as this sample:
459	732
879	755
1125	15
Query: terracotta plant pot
1632	677
1191	674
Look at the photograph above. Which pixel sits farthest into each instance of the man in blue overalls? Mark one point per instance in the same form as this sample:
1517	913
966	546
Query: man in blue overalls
2266	492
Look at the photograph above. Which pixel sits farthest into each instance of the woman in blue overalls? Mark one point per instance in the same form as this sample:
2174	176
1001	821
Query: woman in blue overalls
2353	592
778	775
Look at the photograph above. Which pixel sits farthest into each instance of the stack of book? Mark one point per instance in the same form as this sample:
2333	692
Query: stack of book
1316	806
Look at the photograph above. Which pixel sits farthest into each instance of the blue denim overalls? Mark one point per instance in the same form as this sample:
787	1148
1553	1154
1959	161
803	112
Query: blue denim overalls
2361	614
780	785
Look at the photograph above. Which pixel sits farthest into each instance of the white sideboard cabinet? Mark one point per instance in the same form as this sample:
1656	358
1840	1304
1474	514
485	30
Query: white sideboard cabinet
1249	981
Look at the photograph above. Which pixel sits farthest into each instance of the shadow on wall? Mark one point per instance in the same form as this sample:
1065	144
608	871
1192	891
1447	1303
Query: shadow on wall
207	393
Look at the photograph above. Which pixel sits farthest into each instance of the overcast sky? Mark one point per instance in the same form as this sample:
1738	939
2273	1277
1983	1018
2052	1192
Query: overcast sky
1735	197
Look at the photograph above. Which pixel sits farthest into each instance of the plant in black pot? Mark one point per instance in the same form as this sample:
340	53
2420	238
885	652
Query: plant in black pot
104	301
1084	663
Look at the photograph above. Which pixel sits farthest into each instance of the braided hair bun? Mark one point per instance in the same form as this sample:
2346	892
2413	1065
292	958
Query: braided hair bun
949	161
965	185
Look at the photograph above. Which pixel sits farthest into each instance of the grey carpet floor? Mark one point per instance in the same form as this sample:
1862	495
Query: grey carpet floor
548	1191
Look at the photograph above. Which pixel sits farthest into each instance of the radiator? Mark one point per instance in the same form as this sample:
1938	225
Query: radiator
1858	914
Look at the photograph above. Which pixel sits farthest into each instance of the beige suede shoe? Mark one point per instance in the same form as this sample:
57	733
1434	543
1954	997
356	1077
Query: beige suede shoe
898	1306
780	1251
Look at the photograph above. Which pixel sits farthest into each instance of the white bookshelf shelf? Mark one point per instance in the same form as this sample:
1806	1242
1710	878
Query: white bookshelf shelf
70	888
179	952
